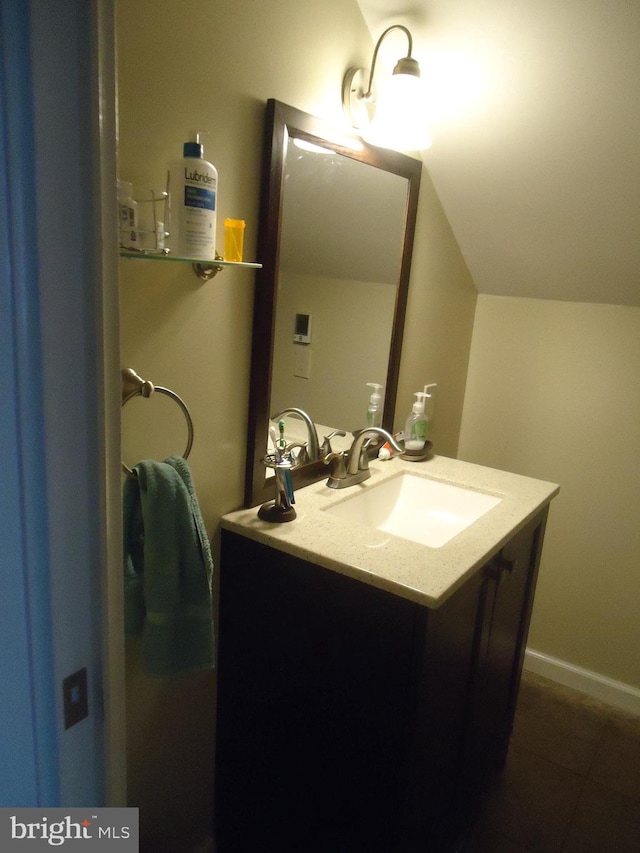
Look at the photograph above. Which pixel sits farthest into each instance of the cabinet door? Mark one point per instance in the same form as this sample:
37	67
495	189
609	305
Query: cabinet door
314	672
435	733
505	616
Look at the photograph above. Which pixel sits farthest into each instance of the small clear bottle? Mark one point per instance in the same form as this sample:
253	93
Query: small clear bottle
127	216
374	409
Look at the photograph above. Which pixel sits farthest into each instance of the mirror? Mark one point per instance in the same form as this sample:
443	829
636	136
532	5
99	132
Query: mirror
337	220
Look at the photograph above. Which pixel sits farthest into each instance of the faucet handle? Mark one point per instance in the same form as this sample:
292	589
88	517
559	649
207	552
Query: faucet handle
301	458
338	463
363	458
326	450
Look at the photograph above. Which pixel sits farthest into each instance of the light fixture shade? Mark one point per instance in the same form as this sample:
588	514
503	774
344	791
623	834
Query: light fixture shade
396	118
400	119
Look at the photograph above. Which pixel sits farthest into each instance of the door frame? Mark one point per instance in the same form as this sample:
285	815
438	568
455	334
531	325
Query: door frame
104	97
62	606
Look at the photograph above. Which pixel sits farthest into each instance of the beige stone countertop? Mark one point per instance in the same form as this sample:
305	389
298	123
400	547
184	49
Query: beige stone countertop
417	572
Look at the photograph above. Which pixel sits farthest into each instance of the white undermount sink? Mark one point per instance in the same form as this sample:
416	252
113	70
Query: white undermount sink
418	508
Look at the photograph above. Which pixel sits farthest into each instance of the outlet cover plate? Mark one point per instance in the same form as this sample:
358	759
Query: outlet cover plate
75	698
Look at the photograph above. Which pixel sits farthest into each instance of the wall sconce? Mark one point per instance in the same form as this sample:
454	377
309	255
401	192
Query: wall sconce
396	117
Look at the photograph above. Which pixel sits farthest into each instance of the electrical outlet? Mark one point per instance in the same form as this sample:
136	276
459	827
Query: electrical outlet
75	698
302	361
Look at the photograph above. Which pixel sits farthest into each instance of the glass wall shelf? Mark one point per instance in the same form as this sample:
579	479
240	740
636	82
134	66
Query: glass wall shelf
203	269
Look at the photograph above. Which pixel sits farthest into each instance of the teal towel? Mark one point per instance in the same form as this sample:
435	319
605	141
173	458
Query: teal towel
168	569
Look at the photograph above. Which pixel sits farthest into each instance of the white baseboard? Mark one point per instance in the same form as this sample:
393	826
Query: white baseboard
614	693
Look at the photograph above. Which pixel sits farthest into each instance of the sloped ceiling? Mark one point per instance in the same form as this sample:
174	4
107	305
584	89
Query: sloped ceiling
535	120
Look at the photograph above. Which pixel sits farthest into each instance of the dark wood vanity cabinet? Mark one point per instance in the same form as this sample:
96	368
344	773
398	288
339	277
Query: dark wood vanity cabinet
352	719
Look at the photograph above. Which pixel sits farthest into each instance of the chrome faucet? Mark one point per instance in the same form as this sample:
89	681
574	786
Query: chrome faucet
313	447
352	467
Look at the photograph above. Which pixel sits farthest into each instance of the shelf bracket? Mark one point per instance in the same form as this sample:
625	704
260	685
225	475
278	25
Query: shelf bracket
207	270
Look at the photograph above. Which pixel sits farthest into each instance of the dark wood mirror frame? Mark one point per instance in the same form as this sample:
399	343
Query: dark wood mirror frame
283	123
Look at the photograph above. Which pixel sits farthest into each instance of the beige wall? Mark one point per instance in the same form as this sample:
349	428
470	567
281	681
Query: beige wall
553	391
349	347
212	65
200	64
438	325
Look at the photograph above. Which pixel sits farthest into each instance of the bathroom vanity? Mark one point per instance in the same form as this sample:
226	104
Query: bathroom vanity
367	683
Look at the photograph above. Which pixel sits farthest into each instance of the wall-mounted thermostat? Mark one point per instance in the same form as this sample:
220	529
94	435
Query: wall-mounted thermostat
302	329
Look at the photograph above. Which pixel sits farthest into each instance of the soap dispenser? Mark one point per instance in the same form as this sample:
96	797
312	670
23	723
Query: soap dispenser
415	431
374	410
417	426
192	187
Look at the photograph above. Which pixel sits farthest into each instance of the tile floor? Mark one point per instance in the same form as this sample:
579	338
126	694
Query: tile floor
572	778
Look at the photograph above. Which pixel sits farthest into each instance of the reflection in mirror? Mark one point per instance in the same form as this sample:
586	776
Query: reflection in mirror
335	236
340	266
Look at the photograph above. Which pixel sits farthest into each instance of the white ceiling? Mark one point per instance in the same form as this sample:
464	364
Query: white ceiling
536	142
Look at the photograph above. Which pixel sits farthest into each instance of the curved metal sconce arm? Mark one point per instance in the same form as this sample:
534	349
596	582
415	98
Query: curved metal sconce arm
402	66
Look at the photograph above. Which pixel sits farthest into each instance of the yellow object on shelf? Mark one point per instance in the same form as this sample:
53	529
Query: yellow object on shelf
233	239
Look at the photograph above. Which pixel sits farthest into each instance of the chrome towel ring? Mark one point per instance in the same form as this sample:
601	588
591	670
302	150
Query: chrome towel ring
134	386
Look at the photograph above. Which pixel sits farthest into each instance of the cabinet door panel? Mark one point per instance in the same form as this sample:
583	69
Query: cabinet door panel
503	625
504	632
436	732
314	674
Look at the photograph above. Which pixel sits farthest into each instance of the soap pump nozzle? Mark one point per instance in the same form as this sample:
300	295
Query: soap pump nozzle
418	406
429	396
375	397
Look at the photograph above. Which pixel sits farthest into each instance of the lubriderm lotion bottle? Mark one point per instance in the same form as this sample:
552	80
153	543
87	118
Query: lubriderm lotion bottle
193	191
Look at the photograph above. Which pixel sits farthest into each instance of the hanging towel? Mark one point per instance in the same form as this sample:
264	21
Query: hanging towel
168	569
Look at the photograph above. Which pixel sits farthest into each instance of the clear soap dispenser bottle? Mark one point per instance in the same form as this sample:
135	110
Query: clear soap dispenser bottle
415	430
418	423
374	409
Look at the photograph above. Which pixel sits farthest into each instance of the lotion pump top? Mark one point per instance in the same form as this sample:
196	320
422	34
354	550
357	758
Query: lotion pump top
374	415
193	148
